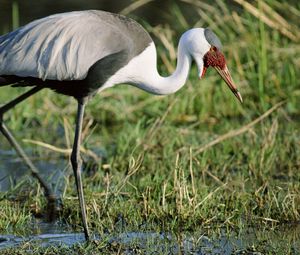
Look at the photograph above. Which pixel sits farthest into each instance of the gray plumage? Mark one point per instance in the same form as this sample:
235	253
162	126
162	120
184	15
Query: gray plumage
212	38
82	46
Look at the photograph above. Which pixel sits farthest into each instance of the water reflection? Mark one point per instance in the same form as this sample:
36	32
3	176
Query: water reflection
13	171
248	241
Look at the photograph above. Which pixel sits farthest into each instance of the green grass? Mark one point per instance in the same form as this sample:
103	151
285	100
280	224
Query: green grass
152	172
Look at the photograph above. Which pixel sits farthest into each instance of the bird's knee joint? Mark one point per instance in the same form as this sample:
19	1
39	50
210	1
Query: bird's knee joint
76	160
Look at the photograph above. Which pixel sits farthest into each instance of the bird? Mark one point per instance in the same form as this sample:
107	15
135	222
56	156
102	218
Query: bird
82	53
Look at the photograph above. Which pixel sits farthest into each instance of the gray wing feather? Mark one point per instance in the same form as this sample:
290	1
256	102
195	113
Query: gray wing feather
64	46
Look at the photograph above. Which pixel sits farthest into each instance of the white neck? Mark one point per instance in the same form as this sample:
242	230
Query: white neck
142	72
156	84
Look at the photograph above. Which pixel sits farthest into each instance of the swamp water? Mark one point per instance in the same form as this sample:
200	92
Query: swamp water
284	239
248	241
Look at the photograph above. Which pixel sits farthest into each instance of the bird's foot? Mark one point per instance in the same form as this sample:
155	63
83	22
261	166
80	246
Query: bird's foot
54	208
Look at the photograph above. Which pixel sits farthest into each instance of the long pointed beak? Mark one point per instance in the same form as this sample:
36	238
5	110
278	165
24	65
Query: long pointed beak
225	74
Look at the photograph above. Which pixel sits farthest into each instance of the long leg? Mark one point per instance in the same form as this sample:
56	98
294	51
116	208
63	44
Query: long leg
3	109
77	163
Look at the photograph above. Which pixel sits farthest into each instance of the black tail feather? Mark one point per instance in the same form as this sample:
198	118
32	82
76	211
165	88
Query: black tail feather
3	81
70	88
8	80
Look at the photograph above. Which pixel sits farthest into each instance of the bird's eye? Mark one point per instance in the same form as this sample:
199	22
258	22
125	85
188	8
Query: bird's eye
214	48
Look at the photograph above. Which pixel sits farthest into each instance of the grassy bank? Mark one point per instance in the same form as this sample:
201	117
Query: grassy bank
191	160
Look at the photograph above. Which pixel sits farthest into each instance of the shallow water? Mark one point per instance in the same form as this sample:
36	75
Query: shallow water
55	170
147	241
13	171
248	241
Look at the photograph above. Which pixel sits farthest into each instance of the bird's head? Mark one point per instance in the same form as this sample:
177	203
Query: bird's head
205	48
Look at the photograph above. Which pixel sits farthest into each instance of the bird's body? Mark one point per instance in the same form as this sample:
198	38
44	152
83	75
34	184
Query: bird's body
81	53
85	46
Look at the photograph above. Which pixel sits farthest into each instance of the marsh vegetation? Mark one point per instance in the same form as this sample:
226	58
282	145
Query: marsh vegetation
197	161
